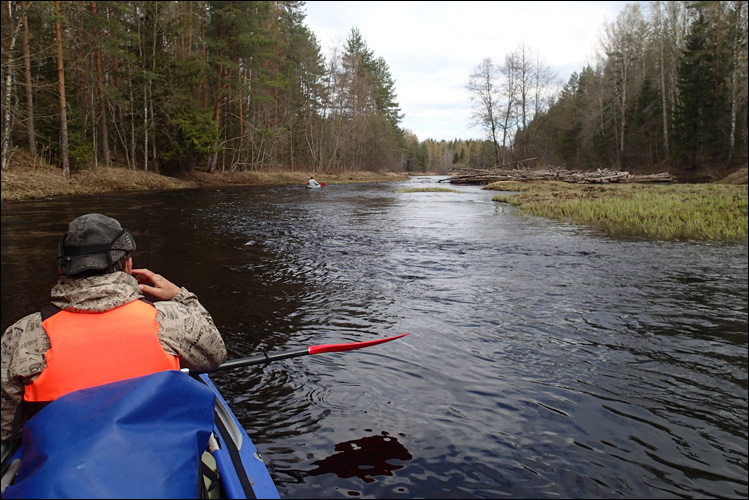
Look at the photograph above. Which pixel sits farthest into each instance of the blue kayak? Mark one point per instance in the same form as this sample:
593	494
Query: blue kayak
165	435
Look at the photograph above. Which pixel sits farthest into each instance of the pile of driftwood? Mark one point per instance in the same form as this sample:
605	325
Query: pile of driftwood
502	173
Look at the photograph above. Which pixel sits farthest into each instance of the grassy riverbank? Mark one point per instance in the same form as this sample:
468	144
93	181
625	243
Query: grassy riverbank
715	211
702	212
431	190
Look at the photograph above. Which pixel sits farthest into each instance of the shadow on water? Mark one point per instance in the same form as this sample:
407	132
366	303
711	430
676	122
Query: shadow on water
364	458
545	359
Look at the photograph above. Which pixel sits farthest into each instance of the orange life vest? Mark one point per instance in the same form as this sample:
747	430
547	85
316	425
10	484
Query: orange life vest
88	349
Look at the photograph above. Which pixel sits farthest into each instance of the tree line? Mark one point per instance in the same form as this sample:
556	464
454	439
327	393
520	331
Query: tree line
180	85
172	86
668	87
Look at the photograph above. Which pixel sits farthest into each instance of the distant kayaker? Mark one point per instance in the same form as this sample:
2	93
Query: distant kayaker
96	330
312	182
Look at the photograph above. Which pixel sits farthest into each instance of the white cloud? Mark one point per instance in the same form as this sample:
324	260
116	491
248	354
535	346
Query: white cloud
431	48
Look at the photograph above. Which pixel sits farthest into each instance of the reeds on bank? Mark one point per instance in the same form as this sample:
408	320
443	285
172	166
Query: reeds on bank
702	212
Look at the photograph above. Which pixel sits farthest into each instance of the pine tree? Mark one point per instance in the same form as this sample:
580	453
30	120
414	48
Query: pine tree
697	121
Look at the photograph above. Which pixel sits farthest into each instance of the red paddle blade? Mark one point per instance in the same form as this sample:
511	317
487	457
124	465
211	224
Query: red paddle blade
322	183
318	349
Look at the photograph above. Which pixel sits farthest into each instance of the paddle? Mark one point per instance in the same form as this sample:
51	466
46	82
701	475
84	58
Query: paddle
314	349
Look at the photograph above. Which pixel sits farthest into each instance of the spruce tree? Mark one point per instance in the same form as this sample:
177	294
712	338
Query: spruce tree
697	121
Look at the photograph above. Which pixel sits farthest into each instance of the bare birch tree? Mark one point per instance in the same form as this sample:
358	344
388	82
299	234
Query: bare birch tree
534	82
659	30
623	42
739	72
64	156
30	130
102	111
509	91
483	91
9	67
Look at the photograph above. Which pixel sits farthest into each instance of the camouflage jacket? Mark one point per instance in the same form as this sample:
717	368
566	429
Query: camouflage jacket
186	330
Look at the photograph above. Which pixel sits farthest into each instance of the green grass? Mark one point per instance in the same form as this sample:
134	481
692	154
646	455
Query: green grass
430	190
704	212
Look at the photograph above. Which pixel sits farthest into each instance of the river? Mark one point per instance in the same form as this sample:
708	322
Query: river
544	359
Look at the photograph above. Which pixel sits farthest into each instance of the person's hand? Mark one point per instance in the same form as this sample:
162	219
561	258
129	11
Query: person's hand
154	286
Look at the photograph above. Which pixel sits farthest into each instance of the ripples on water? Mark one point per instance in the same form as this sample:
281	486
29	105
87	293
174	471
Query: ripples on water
545	359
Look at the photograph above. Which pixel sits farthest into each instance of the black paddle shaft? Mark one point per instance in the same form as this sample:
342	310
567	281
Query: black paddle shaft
258	360
315	349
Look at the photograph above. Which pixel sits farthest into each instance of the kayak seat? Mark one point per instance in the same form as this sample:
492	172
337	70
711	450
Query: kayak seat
211	479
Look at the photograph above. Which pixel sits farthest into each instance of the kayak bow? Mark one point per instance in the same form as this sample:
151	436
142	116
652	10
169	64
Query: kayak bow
152	424
126	438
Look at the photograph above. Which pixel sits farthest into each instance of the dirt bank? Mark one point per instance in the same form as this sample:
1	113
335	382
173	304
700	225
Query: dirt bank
28	179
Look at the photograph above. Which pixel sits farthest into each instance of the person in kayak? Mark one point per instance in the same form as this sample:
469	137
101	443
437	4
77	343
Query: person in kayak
107	322
312	182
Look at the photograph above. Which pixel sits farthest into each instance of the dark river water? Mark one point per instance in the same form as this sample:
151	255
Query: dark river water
545	359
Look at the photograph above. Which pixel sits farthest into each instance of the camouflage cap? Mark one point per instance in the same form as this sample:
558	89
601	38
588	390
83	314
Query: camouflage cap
93	242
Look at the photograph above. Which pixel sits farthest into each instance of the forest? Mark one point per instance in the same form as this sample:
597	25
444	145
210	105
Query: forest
667	90
227	86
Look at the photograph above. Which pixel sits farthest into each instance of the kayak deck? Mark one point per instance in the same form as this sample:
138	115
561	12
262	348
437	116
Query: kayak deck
129	436
234	451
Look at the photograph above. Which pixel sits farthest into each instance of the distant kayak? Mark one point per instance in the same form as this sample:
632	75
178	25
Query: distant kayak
314	186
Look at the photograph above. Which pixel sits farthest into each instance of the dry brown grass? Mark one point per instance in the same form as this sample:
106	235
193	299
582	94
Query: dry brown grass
43	181
738	177
284	178
27	178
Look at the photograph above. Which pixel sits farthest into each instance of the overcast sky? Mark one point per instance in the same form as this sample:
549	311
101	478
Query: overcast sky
431	48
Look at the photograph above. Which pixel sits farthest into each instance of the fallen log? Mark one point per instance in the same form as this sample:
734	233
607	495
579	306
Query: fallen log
606	176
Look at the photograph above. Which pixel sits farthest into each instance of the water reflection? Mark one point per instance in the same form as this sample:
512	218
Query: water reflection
364	458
